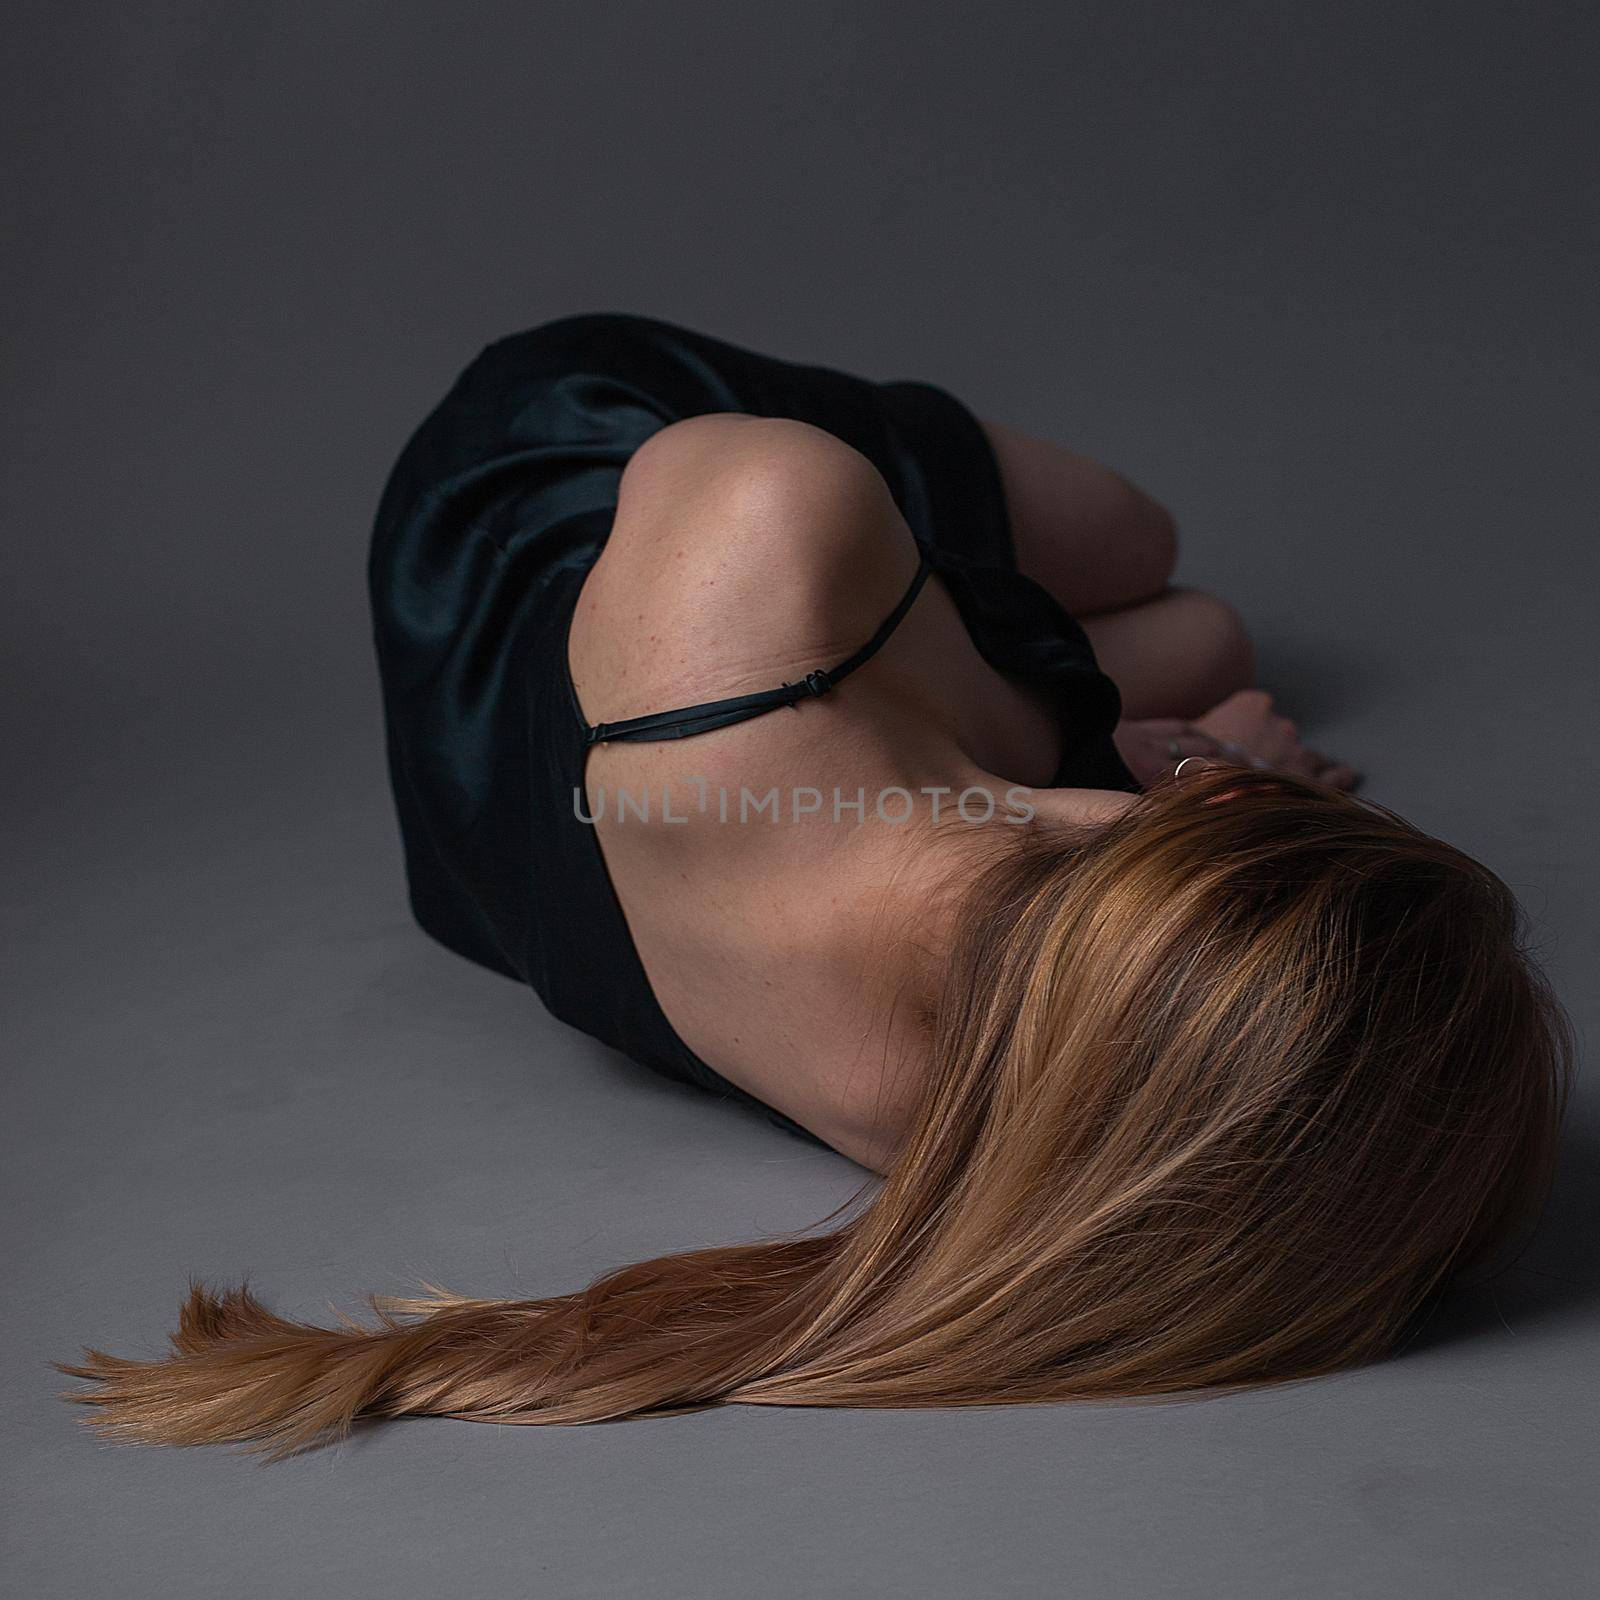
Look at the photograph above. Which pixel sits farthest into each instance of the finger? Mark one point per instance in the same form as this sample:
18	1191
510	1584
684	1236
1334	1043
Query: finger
1330	770
1339	775
1183	745
1281	747
1239	755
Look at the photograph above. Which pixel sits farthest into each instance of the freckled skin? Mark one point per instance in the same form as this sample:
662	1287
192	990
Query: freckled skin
793	959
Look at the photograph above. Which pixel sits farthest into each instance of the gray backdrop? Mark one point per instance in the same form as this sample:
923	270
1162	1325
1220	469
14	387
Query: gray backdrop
1320	275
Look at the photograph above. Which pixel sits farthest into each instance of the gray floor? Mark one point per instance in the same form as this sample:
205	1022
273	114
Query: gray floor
1320	275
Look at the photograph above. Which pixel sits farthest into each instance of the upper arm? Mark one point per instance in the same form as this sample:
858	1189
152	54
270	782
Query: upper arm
744	549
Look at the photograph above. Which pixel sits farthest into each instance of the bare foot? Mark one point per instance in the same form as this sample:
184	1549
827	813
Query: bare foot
1244	728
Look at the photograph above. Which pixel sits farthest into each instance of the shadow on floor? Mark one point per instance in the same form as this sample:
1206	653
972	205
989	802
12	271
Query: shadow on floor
1317	684
1557	1277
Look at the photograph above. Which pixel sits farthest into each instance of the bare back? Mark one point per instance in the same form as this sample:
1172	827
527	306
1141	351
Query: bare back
786	944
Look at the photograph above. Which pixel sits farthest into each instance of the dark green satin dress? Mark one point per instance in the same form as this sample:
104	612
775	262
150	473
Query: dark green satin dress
493	515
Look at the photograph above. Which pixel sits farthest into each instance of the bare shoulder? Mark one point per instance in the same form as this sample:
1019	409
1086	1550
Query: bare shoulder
744	549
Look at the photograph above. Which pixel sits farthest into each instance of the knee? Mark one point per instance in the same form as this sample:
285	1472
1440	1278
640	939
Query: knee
1151	535
1217	643
1138	546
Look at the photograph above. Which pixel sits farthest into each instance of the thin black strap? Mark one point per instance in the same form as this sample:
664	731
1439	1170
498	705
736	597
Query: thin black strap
709	714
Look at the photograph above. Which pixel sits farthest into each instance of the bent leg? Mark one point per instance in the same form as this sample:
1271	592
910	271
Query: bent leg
1096	541
1176	655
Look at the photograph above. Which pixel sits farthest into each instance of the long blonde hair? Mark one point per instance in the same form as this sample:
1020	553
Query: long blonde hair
1221	1092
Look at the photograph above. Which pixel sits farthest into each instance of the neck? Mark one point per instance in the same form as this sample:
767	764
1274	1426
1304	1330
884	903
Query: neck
924	872
1066	808
962	817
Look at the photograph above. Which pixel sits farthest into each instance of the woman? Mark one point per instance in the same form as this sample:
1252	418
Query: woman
769	722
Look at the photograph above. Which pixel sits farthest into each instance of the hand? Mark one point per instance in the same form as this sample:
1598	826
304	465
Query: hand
1244	729
1248	729
1153	746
